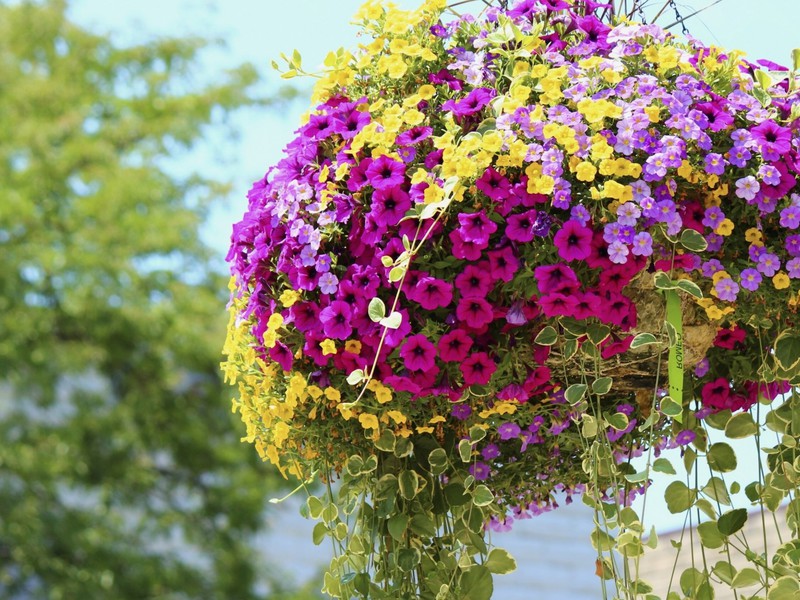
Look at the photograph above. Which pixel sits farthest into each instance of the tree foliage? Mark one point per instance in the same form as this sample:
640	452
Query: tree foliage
121	475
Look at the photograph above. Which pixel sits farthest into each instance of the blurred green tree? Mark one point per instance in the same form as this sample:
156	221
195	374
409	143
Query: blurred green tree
121	473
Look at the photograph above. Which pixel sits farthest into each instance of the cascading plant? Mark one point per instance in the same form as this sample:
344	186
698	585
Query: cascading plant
514	256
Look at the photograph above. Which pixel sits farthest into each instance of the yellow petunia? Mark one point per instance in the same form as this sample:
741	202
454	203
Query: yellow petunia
328	347
368	421
352	346
725	227
585	171
289	297
781	281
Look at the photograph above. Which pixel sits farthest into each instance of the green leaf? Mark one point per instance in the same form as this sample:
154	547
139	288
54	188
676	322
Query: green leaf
455	494
408	559
476	584
643	339
315	507
670	407
356	377
618	421
710	535
679	497
745	578
787	351
403	447
547	336
465	450
693	240
597	333
482	496
662	465
602	541
409	484
602	386
784	588
386	441
376	310
732	521
721	457
575	392
393	321
741	426
725	571
423	525
361	583
662	281
716	490
319	532
637	477
500	562
476	433
397	525
437	459
398	272
690	287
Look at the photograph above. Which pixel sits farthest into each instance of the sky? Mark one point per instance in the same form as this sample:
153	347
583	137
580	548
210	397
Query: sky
258	31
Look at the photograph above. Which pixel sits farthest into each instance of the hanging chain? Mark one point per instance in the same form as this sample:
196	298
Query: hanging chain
679	18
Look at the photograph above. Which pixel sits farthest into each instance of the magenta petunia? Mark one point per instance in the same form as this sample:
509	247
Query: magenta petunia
555	278
519	227
475	281
431	293
454	345
470	104
464	249
474	312
772	139
389	206
503	263
418	353
494	184
476	227
335	320
478	369
385	172
558	305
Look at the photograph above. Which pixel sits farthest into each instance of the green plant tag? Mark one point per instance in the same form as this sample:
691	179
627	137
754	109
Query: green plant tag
675	318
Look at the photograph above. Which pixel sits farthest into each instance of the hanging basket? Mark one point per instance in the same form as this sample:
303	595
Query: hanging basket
451	293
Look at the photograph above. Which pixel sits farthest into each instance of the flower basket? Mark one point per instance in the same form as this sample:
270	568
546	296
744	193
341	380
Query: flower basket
505	256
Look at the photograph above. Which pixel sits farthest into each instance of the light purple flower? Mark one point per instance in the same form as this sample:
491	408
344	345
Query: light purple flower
790	217
618	253
768	264
727	289
328	283
750	279
508	431
747	187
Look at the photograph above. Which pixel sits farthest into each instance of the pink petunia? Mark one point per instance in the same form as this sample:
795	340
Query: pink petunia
418	353
574	241
478	369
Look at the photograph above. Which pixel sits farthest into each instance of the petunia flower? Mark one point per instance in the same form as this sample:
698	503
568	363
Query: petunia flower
431	293
573	241
476	227
418	353
478	369
475	281
335	320
385	172
454	346
474	312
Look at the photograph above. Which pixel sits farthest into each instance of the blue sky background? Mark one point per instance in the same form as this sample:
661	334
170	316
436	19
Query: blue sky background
258	31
